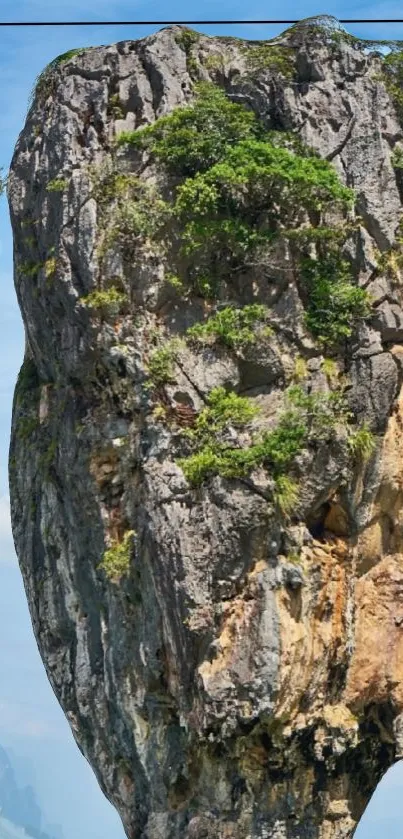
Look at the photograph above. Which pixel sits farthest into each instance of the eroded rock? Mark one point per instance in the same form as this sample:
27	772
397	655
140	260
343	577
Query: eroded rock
236	674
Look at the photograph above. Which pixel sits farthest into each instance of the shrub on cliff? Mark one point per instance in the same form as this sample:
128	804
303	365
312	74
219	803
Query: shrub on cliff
233	327
195	137
116	560
241	190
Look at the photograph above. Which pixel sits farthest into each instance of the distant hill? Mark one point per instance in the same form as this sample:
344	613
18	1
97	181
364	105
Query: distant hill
8	830
19	807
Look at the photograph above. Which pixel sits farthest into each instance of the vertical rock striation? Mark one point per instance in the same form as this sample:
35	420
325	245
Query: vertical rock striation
206	451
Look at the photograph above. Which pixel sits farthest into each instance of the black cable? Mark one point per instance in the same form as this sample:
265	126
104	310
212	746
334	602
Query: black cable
174	22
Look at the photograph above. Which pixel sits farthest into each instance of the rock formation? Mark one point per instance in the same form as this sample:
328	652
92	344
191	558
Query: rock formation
207	437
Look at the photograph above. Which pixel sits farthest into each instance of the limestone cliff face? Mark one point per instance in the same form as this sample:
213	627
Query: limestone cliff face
224	635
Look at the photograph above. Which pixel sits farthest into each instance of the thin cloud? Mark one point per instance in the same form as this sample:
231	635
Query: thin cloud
18	719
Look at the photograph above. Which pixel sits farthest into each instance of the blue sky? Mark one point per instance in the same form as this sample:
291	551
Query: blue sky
31	722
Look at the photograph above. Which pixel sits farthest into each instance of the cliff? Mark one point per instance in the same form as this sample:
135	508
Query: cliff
207	434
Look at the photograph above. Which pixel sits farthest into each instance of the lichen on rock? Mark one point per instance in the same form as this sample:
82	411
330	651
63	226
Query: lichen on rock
205	455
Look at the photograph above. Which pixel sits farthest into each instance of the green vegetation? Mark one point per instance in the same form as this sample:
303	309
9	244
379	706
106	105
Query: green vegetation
201	465
141	216
305	419
362	442
225	210
26	397
162	361
30	269
397	158
28	378
224	215
338	36
106	301
115	107
294	558
186	40
390	262
215	61
194	137
220	217
333	236
274	450
300	369
275	57
132	213
45	82
116	560
323	25
65	56
291	142
175	282
57	185
47	458
233	327
392	76
326	411
159	412
224	408
108	183
26	427
285	494
50	266
323	411
334	303
331	370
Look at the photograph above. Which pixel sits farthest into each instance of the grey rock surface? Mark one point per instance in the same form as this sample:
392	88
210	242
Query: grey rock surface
220	687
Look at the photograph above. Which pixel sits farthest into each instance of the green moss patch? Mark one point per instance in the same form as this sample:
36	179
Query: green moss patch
105	301
162	362
116	560
277	58
57	185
